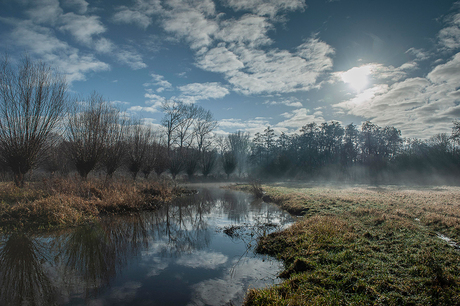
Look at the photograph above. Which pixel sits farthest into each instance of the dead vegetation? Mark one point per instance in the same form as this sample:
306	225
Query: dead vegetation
70	201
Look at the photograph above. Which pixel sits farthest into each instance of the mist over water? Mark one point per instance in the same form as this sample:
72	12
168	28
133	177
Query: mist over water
179	255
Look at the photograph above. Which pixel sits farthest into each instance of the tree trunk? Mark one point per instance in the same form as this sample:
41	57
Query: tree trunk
19	179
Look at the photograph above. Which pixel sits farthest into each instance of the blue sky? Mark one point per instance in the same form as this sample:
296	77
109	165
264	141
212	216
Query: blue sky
253	63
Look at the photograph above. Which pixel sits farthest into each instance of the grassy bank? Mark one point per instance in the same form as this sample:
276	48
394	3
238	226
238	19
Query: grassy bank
365	246
65	202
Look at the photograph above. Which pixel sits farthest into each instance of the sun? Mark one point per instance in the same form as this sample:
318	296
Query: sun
357	77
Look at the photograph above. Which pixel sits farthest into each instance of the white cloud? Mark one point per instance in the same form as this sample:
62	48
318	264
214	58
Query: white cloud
48	16
159	81
39	39
249	29
153	98
360	104
219	59
378	72
118	102
266	7
230	46
191	25
204	91
126	15
419	54
83	28
140	14
447	73
278	70
45	11
143	109
297	119
291	102
252	126
155	101
130	57
187	20
317	53
449	37
123	54
390	73
254	71
80	6
420	107
104	45
42	42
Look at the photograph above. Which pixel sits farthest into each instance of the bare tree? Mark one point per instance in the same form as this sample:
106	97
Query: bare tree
173	113
176	163
153	159
148	164
203	127
33	100
192	162
161	159
56	159
184	133
87	131
229	163
208	161
139	140
115	142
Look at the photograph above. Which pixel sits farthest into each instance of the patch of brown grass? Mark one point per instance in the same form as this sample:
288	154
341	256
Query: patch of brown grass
70	201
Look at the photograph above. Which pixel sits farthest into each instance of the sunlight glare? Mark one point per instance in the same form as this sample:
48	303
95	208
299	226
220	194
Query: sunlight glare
357	78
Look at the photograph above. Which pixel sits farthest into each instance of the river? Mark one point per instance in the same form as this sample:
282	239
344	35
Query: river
198	250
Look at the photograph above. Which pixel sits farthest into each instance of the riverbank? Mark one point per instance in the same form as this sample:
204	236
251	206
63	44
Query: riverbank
64	202
365	246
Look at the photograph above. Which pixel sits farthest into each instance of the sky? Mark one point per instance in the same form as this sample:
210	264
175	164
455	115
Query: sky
254	63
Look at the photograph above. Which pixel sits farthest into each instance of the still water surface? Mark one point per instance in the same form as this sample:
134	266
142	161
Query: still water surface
179	255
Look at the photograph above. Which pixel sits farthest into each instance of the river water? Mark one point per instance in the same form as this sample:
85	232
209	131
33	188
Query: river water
195	251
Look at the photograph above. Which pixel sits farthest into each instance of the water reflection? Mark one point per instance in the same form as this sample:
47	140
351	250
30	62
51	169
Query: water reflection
23	278
129	259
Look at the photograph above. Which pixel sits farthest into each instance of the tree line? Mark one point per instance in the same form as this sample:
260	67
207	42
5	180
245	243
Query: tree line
41	125
331	151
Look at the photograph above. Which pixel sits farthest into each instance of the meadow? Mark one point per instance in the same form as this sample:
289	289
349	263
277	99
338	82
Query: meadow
364	245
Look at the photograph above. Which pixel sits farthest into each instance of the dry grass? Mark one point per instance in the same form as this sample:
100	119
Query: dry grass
70	201
365	246
437	208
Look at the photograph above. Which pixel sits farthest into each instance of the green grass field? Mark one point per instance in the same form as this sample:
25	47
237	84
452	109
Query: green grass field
365	246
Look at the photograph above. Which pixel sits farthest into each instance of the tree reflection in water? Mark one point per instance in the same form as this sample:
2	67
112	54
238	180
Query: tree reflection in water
182	225
235	207
80	263
89	252
23	279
